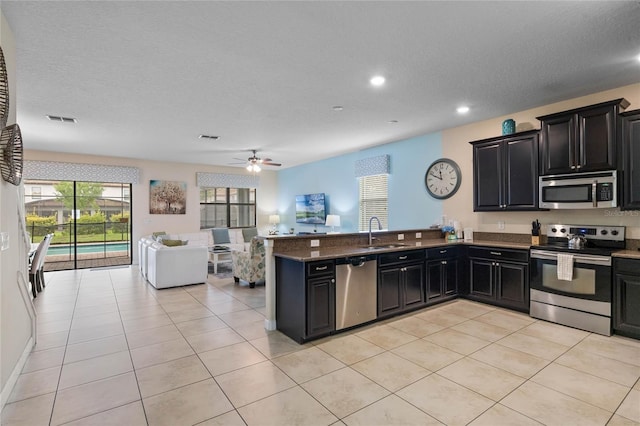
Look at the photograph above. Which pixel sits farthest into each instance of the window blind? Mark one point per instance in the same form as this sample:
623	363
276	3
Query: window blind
373	200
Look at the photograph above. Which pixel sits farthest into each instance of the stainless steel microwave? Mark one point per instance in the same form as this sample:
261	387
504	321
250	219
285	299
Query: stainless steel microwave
579	190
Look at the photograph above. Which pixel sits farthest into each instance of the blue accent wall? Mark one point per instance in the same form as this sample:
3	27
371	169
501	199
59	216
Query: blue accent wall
410	206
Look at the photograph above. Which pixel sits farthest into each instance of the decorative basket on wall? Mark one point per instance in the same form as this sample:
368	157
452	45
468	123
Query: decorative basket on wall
4	92
11	154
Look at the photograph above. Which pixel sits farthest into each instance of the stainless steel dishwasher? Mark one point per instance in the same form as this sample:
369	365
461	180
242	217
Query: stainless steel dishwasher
356	290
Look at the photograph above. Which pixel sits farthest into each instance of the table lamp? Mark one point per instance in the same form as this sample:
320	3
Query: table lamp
274	220
333	220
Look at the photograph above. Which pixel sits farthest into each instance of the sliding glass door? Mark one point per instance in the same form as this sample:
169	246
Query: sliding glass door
89	220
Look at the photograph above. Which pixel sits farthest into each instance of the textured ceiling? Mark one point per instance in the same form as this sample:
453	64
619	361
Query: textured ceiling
144	79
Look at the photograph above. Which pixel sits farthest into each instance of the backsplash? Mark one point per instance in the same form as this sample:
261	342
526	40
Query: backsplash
283	244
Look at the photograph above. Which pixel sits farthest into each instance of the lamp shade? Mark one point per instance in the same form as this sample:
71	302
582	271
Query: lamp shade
274	219
332	220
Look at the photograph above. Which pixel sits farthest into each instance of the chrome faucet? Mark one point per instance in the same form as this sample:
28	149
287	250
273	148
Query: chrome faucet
379	228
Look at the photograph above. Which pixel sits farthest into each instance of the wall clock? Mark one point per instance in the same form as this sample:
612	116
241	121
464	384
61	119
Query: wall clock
442	179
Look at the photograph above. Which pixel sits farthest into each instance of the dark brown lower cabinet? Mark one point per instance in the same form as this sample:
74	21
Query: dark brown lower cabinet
400	282
305	298
626	297
442	273
499	277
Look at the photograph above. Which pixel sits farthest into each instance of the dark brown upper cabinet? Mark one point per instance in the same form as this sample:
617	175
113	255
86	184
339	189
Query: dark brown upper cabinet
580	140
630	160
505	172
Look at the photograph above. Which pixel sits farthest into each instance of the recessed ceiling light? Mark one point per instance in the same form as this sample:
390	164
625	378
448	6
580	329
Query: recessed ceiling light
62	119
208	137
338	108
377	80
462	109
392	121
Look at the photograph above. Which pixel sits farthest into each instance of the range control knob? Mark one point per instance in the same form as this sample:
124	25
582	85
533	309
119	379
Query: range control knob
563	230
554	230
614	232
604	232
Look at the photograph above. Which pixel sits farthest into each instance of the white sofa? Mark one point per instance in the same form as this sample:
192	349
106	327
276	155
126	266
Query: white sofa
176	266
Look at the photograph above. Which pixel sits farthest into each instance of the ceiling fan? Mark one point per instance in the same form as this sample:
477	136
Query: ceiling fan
254	162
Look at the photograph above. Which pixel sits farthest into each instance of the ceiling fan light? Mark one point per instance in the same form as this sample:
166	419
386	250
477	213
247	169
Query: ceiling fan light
253	168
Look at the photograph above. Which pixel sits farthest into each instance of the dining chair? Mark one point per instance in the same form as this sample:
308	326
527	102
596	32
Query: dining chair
36	268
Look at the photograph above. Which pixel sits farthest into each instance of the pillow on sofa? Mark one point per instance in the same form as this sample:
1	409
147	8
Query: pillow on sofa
156	235
249	233
220	235
174	243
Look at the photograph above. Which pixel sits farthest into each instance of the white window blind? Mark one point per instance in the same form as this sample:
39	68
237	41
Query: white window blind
373	201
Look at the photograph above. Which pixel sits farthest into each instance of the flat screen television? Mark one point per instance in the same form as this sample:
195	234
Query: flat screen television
310	208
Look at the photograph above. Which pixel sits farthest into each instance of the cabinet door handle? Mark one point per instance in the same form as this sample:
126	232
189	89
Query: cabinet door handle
321	268
444	262
443	251
496	253
579	166
333	281
573	167
402	257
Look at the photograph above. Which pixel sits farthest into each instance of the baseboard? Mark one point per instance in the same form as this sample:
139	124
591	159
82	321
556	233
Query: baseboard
13	378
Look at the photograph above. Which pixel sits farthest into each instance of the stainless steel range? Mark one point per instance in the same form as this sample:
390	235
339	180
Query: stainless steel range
571	280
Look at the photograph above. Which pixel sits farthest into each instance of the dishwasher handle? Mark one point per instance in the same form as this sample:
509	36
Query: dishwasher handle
358	261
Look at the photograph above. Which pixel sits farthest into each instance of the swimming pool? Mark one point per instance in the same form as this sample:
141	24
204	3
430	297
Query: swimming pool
87	248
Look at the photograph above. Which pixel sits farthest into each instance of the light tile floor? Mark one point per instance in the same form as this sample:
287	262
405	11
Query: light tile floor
113	350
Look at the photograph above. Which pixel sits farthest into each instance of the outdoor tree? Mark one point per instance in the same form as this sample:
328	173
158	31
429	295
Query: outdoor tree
85	197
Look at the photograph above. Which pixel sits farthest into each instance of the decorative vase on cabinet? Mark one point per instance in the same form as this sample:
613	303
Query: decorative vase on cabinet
508	126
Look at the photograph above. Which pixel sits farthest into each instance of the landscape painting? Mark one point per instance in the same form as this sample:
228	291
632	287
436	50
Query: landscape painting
311	208
167	197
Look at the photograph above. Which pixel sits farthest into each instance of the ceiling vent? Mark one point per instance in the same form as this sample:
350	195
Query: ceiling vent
62	119
213	138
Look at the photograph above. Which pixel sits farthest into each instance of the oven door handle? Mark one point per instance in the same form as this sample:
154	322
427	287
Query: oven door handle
577	258
594	192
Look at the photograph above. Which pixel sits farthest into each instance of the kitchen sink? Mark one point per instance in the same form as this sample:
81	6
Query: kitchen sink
385	246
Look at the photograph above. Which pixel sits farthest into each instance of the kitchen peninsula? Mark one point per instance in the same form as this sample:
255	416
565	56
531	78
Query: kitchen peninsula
415	269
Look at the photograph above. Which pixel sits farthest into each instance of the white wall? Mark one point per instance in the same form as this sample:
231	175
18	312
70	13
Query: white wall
144	223
455	145
15	322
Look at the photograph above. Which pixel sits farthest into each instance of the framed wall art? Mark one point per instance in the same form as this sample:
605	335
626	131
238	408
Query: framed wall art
167	197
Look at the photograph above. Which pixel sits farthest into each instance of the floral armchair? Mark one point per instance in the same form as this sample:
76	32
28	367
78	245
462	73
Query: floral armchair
249	265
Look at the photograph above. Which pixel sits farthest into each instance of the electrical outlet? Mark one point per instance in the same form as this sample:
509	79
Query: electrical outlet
501	224
315	243
400	237
418	234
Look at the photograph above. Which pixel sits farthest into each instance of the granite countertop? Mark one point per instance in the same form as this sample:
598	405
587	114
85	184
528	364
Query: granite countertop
630	254
321	253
